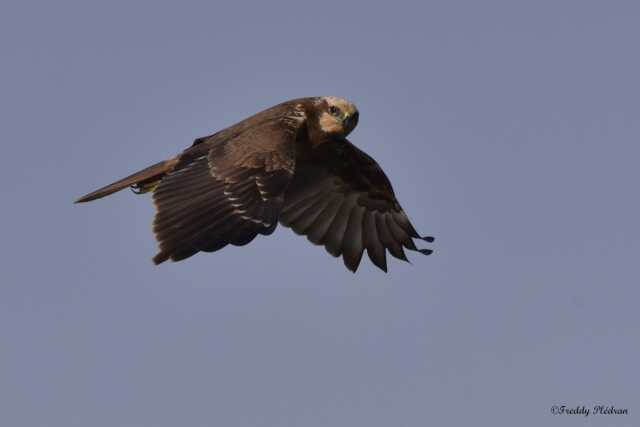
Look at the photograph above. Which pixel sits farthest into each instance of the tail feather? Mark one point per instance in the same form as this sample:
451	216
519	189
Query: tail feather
139	179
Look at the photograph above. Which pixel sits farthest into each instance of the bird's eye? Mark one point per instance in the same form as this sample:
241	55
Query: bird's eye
334	110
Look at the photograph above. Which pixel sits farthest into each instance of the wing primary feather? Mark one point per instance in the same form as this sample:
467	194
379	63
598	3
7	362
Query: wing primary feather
375	249
174	215
171	213
213	245
289	212
399	234
292	216
186	194
387	240
352	244
402	221
307	215
321	225
222	231
335	233
183	253
189	229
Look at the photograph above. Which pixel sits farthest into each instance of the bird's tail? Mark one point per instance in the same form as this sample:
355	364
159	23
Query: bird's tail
141	182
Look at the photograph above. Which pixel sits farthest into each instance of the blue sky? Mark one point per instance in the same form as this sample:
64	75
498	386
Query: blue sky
509	130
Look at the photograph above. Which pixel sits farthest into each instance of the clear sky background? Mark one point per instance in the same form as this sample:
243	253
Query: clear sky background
509	129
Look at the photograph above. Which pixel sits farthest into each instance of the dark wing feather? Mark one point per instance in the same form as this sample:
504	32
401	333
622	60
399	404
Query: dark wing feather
339	197
140	181
226	192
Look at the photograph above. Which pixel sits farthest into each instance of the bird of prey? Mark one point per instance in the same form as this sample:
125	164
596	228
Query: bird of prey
290	164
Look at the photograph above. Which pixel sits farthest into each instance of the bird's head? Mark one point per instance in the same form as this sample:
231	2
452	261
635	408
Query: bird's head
336	116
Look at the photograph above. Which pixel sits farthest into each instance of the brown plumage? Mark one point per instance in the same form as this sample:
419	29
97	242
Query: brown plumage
290	164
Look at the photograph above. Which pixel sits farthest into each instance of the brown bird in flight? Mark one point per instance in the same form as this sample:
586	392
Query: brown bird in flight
290	164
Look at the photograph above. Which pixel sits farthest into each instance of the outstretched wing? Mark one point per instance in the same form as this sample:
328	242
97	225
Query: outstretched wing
224	193
341	198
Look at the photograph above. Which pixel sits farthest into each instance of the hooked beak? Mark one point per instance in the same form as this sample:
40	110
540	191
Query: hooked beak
350	121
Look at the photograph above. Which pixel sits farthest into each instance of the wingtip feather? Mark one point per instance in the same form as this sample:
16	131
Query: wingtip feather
160	258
